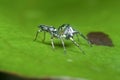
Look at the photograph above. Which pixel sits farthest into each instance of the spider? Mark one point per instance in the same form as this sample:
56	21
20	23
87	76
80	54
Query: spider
65	31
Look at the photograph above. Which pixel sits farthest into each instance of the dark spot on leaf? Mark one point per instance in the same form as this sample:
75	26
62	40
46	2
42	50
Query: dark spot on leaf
99	38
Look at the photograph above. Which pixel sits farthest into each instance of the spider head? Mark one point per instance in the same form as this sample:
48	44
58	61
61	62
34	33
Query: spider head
43	27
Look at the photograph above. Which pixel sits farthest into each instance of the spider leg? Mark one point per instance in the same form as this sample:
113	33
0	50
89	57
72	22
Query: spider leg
77	37
37	34
52	42
85	38
77	44
44	36
63	45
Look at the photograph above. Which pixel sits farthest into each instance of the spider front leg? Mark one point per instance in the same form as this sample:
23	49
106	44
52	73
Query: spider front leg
37	34
77	44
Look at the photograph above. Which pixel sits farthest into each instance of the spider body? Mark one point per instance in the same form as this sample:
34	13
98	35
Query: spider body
64	31
67	30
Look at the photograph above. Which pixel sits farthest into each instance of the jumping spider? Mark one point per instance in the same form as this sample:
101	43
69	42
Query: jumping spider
64	31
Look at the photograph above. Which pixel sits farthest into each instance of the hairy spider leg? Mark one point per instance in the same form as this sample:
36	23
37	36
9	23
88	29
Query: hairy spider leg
77	44
37	34
85	38
63	44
